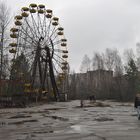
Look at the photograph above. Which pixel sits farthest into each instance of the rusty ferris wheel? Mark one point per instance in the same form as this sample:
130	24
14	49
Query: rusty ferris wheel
38	35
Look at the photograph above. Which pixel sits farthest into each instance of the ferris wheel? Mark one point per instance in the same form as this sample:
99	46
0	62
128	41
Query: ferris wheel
38	35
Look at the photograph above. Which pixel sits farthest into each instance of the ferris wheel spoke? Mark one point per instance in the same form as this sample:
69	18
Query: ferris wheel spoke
45	26
35	26
30	61
27	40
59	64
28	46
50	33
54	37
55	43
46	42
58	50
40	24
59	57
53	32
31	29
28	54
27	35
47	30
55	69
57	61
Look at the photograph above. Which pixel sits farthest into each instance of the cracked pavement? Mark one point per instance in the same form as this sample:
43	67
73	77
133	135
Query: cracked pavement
67	121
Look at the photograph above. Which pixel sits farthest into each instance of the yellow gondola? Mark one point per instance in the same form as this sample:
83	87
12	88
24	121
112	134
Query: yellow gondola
12	50
13	44
60	29
54	23
25	9
33	5
65	51
14	30
64	63
18	23
63	44
55	18
60	33
41	6
18	17
13	35
24	14
64	40
64	56
32	10
49	16
49	11
40	11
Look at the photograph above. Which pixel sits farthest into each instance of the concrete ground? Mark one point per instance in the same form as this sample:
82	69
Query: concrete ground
67	121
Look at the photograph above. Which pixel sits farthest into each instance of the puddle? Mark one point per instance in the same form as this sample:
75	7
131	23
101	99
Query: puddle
58	118
79	129
103	119
55	108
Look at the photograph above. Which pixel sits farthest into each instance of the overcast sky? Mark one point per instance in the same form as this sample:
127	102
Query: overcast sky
93	25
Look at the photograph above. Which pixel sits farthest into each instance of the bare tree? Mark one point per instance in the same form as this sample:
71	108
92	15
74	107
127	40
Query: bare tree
97	61
85	65
128	55
138	55
110	57
118	66
4	22
138	62
118	70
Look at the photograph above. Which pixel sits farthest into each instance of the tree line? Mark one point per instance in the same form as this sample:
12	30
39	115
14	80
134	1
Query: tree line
108	75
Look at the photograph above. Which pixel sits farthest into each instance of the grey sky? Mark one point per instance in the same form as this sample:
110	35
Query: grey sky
93	25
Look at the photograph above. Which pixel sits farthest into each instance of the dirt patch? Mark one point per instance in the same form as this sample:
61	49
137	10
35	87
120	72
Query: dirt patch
42	132
58	118
22	122
103	119
20	116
